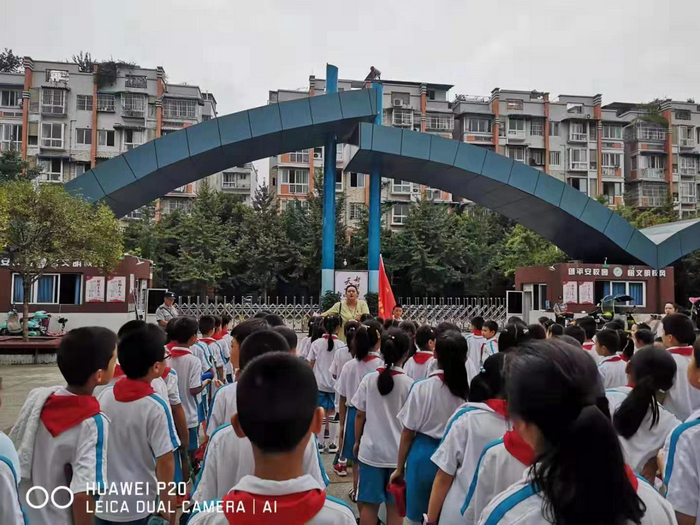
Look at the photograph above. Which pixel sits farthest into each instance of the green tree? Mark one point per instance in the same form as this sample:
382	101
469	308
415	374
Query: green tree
523	247
9	62
13	167
84	61
45	227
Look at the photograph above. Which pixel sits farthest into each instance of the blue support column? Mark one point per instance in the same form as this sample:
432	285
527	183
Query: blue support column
375	197
328	249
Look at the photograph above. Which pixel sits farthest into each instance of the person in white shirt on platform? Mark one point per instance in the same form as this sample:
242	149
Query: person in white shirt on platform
417	365
228	458
556	403
378	400
613	363
424	417
475	339
321	355
278	414
470	429
490	344
639	419
142	436
679	335
70	432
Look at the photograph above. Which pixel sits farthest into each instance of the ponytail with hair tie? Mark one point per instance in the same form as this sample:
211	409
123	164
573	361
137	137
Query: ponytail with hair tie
395	344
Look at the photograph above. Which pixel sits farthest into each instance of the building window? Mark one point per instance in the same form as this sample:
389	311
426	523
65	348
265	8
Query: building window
338	180
235	181
339	153
433	194
51	135
357	180
10	98
537	157
400	99
298	181
478	125
580	184
516	124
400	186
356	210
553	129
318	153
574	107
688	165
402	117
51	170
682	115
57	75
592	132
555	158
636	290
431	94
105	137
537	128
578	159
133	105
10	137
299	156
593	155
132	139
514	104
53	101
517	154
84	103
611	160
136	81
60	288
399	214
174	108
438	122
173	205
105	102
612	132
577	132
84	136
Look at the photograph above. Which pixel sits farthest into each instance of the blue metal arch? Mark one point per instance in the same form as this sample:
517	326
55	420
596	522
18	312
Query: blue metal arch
579	225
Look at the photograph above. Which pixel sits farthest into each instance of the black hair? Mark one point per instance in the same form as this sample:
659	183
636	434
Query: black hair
489	383
644	336
696	352
681	327
626	343
424	335
408	327
445	326
543	320
169	329
241	331
581	470
610	340
226	320
516	321
395	344
511	336
477	322
350	329
576	332
262	314
491	325
451	351
184	329
365	317
652	369
391	323
259	343
589	326
313	320
555	329
676	306
217	321
317	329
615	324
206	324
274	320
289	335
84	351
277	396
137	324
366	338
643	326
352	286
140	349
536	331
331	323
396	306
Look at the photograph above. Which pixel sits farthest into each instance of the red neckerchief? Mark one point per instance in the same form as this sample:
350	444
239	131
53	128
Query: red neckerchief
165	373
393	372
369	357
325	336
179	351
218	336
291	509
617	357
61	413
171	345
207	340
421	357
126	390
686	351
632	477
477	333
118	372
518	448
498	405
588	345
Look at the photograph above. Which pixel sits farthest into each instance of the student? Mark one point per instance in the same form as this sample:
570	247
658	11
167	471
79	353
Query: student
424	417
305	343
321	355
397	312
223	403
391	323
637	416
536	332
418	365
343	354
10	507
409	328
589	327
511	336
365	346
274	320
577	333
142	435
490	344
289	335
642	338
228	457
225	344
189	376
212	352
473	425
554	330
278	415
679	336
378	400
579	477
62	428
682	455
613	364
475	339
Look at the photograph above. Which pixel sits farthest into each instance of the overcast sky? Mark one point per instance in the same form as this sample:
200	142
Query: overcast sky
628	50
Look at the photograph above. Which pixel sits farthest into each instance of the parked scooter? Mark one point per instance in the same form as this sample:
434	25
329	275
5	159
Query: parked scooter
41	319
13	325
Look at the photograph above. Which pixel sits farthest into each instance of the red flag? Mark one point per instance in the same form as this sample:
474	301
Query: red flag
386	296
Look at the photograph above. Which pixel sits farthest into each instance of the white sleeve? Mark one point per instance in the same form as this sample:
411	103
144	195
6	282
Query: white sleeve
340	383
217	413
334	365
450	453
602	370
311	356
681	474
173	388
215	350
312	463
226	347
90	462
195	379
484	487
413	413
10	509
160	431
359	400
205	487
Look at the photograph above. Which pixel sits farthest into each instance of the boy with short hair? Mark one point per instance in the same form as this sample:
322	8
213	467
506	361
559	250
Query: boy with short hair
678	338
642	338
142	435
490	345
289	335
590	328
613	365
208	352
475	339
279	416
61	430
576	332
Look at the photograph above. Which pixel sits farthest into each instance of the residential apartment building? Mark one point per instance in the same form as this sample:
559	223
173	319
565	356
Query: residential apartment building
240	181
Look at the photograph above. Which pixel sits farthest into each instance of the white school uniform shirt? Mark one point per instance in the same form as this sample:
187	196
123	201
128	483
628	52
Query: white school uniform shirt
613	371
228	459
323	361
416	370
682	468
83	447
173	388
342	356
189	375
429	406
303	347
474	343
646	442
589	347
472	370
682	399
10	506
333	512
158	384
223	406
470	429
214	351
201	350
353	372
379	446
488	348
225	344
520	504
141	431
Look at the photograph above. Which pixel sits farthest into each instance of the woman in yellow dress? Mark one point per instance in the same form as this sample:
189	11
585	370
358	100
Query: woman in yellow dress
349	309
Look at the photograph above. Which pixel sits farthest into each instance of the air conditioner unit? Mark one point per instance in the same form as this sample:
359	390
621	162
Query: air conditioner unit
318	156
588	116
397	103
415	189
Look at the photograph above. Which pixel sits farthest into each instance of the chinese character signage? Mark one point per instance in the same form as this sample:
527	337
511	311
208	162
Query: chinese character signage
116	289
585	293
635	272
94	289
570	292
345	278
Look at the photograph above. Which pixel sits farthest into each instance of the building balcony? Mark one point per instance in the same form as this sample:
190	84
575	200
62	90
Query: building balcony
53	111
484	138
133	113
652	173
611	171
578	166
691	172
578	137
689	199
235	186
516	134
686	143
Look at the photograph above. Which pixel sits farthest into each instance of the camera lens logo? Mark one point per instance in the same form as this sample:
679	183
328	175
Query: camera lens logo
44	498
